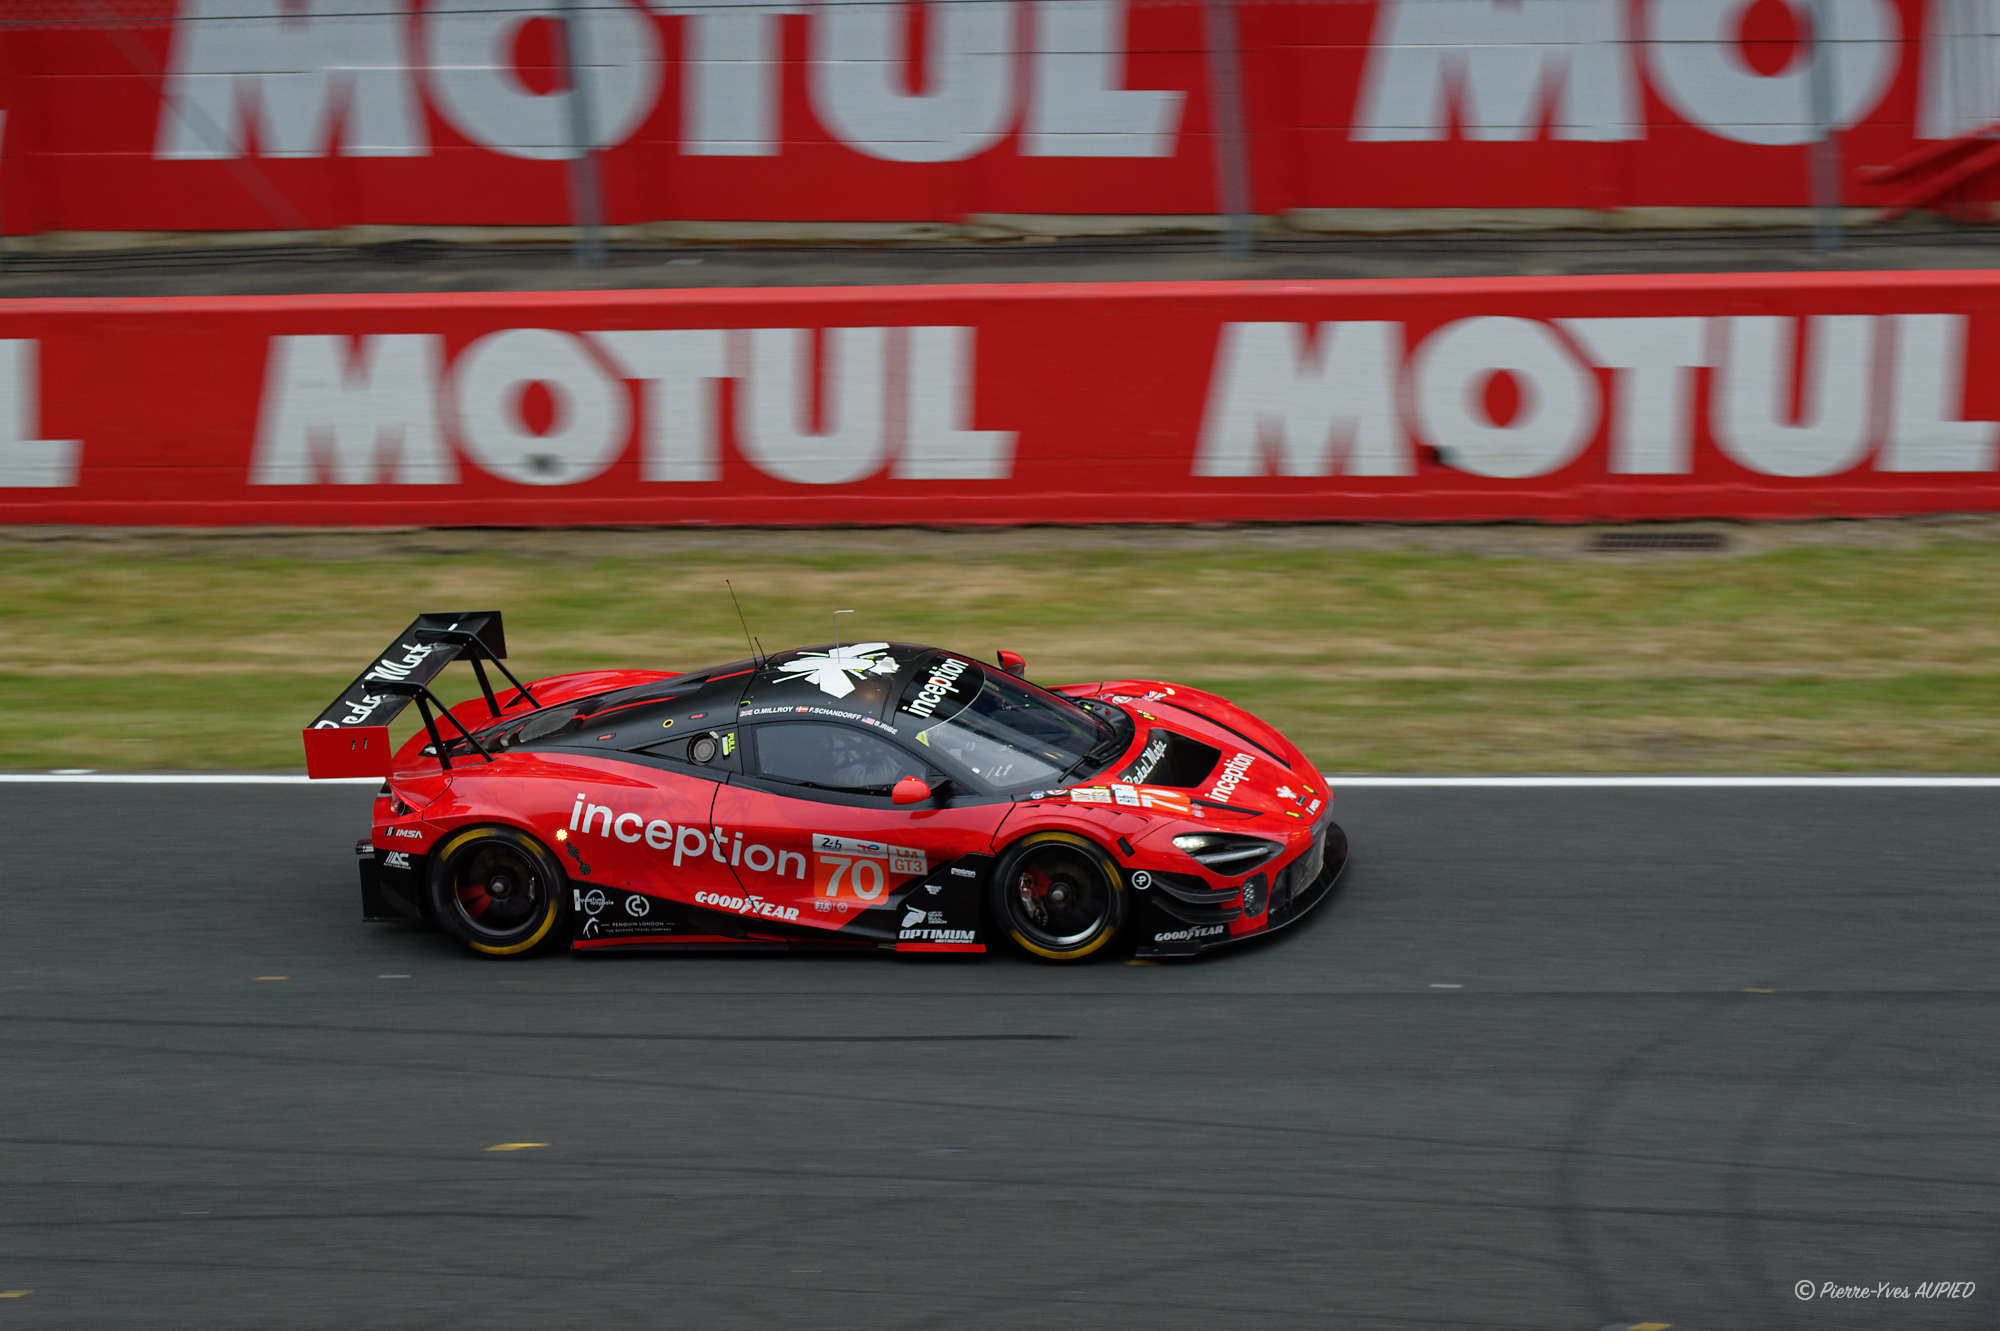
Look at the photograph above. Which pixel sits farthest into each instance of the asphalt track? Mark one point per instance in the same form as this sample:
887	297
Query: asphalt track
1699	1045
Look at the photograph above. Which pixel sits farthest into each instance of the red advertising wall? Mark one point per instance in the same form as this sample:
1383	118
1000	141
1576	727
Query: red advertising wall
288	114
1558	399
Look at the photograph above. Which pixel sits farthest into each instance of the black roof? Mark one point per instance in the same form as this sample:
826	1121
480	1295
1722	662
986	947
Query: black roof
893	686
858	682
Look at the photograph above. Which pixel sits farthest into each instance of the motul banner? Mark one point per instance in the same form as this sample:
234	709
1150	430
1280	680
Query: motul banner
1560	399
289	114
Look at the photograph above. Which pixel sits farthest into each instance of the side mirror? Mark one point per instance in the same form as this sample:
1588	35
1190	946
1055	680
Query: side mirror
910	790
1014	663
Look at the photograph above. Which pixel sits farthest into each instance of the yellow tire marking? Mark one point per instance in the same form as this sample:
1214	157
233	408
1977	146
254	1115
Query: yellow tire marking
1117	885
1748	991
445	850
15	1293
513	949
274	977
517	1146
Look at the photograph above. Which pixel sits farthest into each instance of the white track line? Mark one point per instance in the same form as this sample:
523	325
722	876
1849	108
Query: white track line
1338	781
1583	782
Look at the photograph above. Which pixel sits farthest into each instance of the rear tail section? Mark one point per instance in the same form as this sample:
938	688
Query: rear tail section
351	737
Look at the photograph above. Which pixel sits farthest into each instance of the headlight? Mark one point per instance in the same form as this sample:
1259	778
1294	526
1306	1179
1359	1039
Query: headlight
1226	854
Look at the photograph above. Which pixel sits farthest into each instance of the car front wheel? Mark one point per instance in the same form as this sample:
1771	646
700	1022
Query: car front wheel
1060	896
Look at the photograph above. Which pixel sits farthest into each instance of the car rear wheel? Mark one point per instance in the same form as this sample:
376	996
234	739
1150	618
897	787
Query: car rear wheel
1060	896
497	890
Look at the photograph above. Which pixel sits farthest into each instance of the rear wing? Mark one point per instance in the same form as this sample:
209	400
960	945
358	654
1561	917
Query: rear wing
351	737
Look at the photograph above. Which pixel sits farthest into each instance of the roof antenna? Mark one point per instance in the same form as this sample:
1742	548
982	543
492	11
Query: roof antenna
836	627
755	650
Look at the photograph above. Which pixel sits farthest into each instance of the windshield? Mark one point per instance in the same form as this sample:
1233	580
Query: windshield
1009	734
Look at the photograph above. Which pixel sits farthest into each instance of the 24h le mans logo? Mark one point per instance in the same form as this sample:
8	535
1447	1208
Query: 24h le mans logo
829	671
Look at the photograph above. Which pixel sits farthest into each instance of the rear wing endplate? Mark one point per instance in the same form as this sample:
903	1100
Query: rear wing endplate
351	737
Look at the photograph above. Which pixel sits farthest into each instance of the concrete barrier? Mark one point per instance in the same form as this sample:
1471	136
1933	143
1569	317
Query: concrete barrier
1557	399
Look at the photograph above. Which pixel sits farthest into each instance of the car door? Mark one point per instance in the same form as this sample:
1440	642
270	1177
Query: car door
824	842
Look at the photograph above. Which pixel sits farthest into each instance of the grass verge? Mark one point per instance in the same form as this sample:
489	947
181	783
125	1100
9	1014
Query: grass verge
1830	655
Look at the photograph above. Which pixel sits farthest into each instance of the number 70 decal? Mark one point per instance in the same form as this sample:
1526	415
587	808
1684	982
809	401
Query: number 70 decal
847	869
849	875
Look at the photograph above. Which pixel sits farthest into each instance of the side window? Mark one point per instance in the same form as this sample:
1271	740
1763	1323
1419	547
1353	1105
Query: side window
831	757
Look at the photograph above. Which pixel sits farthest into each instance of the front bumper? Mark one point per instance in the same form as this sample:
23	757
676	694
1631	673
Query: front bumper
1168	931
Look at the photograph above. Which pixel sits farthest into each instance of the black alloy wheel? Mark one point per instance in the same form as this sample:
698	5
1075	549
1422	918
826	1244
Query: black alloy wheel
497	890
1060	896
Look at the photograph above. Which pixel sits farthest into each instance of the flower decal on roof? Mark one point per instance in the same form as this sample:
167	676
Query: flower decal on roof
830	671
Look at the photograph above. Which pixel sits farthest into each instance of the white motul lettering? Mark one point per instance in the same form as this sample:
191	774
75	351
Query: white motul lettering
25	460
1078	108
758	859
1559	398
469	47
591	812
678	439
325	417
1652	430
1699	69
729	93
1927	393
592	410
791	862
1753	392
688	841
939	410
618	827
940	445
304	68
659	834
1957	91
1270	394
1505	61
859	86
773	401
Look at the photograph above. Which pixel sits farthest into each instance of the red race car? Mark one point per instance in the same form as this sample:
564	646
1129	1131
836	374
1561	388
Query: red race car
871	794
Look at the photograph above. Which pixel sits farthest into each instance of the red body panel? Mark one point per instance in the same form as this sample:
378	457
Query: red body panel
829	862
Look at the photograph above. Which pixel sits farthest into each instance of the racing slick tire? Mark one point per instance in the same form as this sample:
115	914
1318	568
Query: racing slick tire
497	890
1059	896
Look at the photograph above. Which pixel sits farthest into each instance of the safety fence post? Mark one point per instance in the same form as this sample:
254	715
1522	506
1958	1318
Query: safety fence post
1825	148
586	211
1232	141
